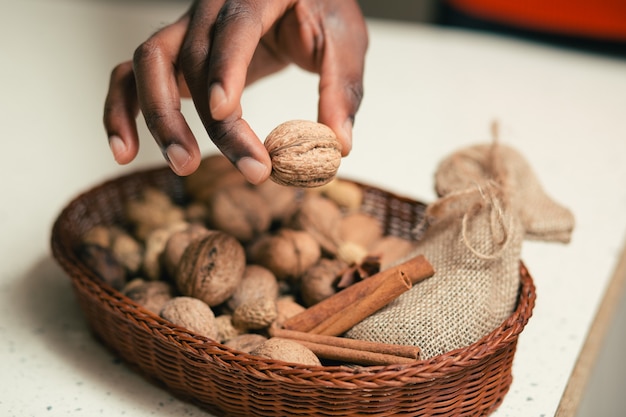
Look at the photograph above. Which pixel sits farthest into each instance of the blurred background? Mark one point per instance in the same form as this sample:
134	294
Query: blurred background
603	395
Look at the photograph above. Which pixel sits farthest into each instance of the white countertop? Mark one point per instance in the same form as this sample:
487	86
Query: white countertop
428	92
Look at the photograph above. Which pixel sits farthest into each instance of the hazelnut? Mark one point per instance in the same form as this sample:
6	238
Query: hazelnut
211	268
192	314
303	153
286	350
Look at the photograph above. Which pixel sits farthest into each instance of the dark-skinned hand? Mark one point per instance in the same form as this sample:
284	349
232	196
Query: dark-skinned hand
211	53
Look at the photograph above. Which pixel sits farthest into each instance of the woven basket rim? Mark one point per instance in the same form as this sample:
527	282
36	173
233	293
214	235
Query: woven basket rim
202	348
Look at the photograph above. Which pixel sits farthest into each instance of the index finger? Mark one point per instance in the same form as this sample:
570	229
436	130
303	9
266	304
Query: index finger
341	72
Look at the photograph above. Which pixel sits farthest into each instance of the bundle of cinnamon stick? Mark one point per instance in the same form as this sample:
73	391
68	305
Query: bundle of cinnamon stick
319	327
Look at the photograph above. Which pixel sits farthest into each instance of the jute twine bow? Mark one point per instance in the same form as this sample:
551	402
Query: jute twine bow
489	190
468	205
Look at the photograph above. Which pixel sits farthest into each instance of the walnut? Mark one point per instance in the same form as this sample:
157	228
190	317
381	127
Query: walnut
155	245
124	248
99	235
288	253
152	210
357	232
255	314
254	301
177	243
282	201
391	249
286	307
257	282
225	328
303	153
214	172
360	228
320	217
346	194
286	350
152	295
239	211
246	342
192	314
319	281
196	212
103	263
211	268
127	250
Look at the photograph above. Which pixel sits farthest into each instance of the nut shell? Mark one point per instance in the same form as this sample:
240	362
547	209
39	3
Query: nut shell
239	211
286	350
286	307
288	253
225	328
191	314
150	294
255	314
176	244
246	342
257	282
303	153
318	283
211	268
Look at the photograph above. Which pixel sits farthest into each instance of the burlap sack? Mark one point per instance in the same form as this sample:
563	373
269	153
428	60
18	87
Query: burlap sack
489	202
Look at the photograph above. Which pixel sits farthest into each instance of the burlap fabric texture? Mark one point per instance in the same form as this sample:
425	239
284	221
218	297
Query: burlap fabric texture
489	201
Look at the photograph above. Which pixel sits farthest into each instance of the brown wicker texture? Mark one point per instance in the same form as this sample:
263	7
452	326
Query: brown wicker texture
466	382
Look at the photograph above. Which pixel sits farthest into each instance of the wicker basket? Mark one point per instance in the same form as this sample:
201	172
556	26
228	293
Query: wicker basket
471	381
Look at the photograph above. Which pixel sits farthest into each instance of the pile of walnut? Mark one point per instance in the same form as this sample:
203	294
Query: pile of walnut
238	258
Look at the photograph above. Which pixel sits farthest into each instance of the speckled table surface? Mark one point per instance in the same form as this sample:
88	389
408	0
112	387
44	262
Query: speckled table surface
429	91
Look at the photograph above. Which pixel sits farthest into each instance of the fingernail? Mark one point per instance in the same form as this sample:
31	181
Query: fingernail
217	99
177	157
118	147
253	170
347	136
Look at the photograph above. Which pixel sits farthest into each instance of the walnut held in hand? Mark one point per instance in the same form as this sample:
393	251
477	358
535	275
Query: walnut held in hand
303	153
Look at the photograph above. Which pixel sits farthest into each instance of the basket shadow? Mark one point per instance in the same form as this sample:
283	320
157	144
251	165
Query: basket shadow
44	299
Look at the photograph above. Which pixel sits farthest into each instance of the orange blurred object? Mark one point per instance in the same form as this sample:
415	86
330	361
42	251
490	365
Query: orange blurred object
597	19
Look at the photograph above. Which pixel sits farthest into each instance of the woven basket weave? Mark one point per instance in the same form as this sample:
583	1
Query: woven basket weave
471	381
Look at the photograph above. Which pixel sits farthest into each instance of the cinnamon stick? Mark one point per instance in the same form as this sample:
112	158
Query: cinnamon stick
360	357
411	352
416	269
343	320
